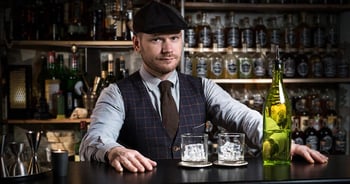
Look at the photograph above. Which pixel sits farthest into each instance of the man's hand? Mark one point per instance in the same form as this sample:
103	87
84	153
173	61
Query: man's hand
308	154
121	157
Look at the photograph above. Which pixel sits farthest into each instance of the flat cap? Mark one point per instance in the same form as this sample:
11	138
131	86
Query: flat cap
158	17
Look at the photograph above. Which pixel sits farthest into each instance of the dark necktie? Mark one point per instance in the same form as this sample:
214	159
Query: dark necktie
170	115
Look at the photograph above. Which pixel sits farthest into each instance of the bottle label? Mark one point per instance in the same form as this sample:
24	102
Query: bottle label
317	69
233	37
319	38
302	69
289	67
201	67
261	38
245	67
216	68
329	66
231	68
259	67
190	38
291	38
326	144
299	140
312	141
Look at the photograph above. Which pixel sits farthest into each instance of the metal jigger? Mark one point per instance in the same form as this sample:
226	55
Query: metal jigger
34	141
17	168
3	169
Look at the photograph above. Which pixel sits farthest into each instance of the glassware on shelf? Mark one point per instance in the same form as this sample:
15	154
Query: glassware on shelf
34	138
17	168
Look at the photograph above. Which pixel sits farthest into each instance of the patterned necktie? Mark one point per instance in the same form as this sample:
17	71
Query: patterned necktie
170	116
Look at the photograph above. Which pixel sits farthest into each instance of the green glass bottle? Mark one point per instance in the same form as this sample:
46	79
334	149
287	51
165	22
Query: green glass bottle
277	120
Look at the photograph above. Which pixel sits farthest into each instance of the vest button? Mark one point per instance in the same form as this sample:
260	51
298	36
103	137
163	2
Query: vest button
176	148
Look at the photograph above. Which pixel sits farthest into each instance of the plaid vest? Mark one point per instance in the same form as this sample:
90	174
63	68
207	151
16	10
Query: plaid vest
143	130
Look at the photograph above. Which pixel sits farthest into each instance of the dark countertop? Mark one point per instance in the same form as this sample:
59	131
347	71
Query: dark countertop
337	170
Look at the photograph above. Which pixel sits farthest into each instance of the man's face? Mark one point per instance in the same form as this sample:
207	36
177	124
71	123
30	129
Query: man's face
161	53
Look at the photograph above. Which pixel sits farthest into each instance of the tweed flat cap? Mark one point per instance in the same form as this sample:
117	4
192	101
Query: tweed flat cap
157	17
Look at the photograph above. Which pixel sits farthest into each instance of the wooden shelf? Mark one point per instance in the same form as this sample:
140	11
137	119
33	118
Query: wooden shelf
49	121
246	7
85	44
285	80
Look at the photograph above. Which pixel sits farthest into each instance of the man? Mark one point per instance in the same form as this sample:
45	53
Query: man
126	125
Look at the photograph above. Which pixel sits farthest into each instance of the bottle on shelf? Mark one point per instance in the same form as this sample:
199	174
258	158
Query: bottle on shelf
97	27
52	82
215	63
82	131
277	114
297	135
233	36
245	64
311	136
190	33
316	64
230	66
129	20
218	33
303	32
289	63
270	58
326	139
110	22
188	62
274	32
302	64
61	72
259	63
261	33
329	62
204	32
200	64
290	32
332	32
111	78
340	138
74	83
123	71
318	32
247	34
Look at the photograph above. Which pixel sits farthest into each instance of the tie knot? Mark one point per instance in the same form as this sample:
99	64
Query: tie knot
165	85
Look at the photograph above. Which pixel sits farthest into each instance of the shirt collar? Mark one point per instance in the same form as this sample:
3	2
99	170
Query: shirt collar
154	81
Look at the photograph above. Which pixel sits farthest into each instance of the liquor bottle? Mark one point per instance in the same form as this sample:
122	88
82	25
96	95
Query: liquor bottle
188	62
245	64
74	83
274	32
97	27
261	33
200	64
218	33
289	63
118	20
52	82
326	139
302	64
110	23
233	36
61	72
332	32
247	34
129	19
230	67
316	64
302	111
270	60
331	113
311	136
340	138
124	72
297	135
259	63
204	32
110	71
303	32
290	32
190	33
277	113
329	61
83	129
215	64
318	32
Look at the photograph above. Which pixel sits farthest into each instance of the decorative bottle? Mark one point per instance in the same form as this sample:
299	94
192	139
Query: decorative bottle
277	120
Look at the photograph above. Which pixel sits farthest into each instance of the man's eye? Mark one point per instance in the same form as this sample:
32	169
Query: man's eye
156	40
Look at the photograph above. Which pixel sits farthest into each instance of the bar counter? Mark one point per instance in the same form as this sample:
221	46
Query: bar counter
337	170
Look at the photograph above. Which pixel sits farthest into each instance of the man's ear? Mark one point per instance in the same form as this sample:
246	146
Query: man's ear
136	43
